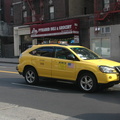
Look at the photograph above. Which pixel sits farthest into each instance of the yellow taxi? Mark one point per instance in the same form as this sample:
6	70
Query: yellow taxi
68	62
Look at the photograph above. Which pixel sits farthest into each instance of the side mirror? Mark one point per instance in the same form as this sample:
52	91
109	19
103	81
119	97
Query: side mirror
71	57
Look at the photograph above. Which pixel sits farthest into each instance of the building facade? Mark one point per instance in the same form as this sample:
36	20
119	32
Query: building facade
51	21
6	29
98	24
104	34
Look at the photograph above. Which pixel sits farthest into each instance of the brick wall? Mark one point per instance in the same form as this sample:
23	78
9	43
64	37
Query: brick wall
17	6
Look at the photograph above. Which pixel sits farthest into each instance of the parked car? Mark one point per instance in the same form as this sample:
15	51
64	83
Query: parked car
68	62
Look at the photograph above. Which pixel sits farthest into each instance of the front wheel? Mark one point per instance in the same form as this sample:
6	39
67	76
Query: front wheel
31	76
87	82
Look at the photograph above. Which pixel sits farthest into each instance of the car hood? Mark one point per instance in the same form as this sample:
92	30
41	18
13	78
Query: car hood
104	62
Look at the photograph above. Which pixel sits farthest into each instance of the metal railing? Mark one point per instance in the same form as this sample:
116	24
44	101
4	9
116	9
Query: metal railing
33	19
113	8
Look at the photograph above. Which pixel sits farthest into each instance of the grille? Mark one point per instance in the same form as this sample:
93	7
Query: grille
117	68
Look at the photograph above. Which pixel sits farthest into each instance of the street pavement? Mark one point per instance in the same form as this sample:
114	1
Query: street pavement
15	112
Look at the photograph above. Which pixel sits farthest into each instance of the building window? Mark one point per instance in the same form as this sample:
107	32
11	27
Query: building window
101	46
105	30
24	14
51	12
33	16
106	5
11	10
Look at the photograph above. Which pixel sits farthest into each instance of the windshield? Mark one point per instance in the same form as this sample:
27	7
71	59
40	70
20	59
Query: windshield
85	54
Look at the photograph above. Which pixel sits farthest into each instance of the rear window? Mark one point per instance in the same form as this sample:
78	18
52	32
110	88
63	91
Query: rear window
43	51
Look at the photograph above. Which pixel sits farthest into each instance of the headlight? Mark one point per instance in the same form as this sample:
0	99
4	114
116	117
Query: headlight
106	69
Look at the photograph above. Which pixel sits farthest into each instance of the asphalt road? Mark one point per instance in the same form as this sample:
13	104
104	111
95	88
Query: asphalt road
61	100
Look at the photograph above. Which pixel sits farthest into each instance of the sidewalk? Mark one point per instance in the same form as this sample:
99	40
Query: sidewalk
9	60
15	112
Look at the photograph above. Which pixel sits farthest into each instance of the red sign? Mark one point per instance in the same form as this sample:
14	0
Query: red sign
55	28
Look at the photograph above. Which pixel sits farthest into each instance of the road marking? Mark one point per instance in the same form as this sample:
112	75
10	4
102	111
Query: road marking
8	72
32	86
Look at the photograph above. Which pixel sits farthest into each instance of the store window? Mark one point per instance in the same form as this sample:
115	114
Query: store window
101	46
51	10
58	40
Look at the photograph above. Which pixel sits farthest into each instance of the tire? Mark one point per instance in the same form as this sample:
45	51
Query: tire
87	82
31	76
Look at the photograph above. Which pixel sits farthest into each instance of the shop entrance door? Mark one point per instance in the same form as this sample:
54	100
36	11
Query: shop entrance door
25	46
26	42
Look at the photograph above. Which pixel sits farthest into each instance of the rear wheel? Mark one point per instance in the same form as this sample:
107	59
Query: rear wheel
87	82
31	76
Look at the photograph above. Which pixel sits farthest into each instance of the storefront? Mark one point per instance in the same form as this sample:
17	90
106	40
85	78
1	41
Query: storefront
63	32
57	32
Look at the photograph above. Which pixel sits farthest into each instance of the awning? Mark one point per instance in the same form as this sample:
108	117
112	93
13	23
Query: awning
56	28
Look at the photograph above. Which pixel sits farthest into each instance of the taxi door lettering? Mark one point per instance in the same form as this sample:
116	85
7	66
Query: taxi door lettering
62	65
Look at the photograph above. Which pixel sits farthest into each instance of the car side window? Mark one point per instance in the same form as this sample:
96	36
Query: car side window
43	51
63	53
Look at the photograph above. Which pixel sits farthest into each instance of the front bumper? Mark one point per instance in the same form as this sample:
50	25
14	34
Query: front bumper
104	78
112	79
110	84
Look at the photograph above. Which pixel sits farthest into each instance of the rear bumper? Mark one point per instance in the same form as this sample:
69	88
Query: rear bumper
18	71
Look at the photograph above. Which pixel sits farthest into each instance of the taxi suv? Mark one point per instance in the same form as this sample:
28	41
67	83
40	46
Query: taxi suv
68	62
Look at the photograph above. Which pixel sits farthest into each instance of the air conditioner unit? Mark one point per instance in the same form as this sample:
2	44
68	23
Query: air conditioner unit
97	29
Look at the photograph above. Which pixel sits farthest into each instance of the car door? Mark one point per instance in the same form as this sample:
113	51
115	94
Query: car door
41	60
62	67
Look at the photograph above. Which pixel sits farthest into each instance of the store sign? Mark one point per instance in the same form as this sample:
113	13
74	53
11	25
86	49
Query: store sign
55	28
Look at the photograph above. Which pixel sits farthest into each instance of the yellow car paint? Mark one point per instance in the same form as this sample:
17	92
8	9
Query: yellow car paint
67	69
